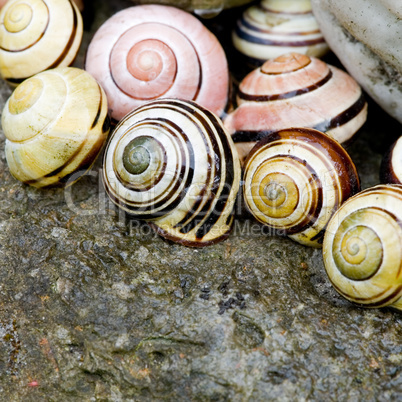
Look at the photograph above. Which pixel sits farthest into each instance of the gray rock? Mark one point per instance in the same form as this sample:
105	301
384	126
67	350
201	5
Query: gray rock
96	307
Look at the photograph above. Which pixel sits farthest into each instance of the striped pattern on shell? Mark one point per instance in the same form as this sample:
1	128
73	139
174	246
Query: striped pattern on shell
295	180
295	90
391	166
172	162
55	125
363	247
37	35
274	27
147	52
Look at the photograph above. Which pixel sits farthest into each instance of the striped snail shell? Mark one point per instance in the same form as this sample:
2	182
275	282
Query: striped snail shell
391	166
273	27
147	52
171	162
296	90
295	179
55	125
362	247
37	35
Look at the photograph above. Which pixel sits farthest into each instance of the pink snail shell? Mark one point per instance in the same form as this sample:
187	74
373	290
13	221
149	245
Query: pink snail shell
296	90
151	51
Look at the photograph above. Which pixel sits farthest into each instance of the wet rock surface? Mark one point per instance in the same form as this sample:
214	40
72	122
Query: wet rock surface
94	306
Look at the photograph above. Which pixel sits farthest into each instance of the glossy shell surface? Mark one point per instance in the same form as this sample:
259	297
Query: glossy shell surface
295	180
391	166
171	162
37	35
273	27
147	52
363	247
295	90
55	125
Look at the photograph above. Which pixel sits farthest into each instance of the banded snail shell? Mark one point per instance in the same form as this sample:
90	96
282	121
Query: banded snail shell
37	35
295	179
362	247
147	52
391	166
55	125
171	162
273	27
295	90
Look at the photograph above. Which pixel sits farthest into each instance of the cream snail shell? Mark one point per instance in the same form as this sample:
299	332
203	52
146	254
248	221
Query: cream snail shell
273	27
147	52
295	179
362	247
296	90
55	125
391	166
36	35
171	162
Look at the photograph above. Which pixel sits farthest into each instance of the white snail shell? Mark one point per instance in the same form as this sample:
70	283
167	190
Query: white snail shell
391	166
363	247
173	163
55	124
37	35
295	179
148	52
273	27
295	90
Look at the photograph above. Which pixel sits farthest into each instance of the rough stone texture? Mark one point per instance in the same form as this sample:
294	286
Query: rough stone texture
94	306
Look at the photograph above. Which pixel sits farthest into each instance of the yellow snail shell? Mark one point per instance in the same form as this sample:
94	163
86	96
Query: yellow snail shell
171	162
391	166
295	90
147	52
36	35
55	124
295	179
362	247
273	27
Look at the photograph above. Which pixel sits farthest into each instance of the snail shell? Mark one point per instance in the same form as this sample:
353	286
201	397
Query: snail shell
362	247
274	27
172	162
295	90
55	124
391	166
295	179
36	35
147	52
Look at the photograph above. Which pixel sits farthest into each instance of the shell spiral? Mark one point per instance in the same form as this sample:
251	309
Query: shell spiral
171	162
295	90
363	247
147	52
55	124
273	27
37	35
295	180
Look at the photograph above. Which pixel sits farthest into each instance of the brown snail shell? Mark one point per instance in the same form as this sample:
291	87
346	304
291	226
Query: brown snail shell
295	179
274	27
37	35
147	52
362	247
296	90
171	162
55	125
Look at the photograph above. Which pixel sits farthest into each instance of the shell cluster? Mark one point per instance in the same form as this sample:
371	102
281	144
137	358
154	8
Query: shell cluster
296	90
273	27
171	162
148	52
36	36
